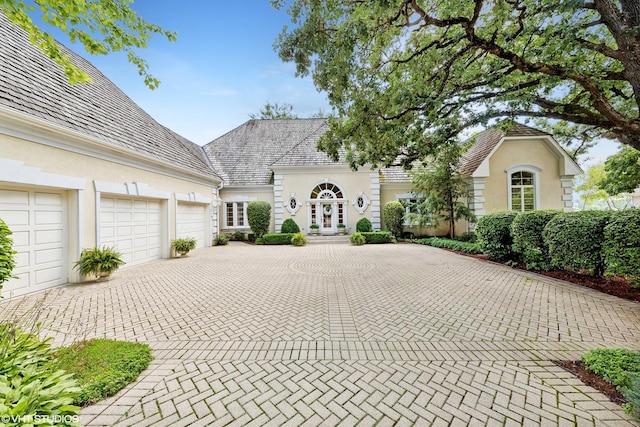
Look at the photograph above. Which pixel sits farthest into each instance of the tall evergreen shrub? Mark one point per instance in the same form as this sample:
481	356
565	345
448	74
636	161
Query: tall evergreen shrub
289	226
393	217
575	241
622	244
526	231
259	216
494	235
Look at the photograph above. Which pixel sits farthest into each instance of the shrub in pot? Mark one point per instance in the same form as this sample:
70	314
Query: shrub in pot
183	246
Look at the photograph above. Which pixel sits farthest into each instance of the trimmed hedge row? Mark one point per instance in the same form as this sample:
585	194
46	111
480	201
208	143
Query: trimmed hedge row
378	236
583	241
277	238
456	245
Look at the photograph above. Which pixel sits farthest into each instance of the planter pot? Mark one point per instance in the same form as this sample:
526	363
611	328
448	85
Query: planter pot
183	253
342	230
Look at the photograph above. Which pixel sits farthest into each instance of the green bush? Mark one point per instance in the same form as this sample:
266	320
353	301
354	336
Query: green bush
467	236
378	237
277	238
184	245
494	235
613	364
364	225
526	231
393	217
575	241
222	240
98	261
456	245
298	239
103	367
357	239
7	262
259	216
632	394
621	244
29	384
236	236
289	226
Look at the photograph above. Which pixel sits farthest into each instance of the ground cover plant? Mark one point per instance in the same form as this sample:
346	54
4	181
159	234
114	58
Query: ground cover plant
102	367
456	245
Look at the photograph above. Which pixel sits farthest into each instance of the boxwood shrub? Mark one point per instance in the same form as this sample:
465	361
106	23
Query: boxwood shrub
575	241
259	216
277	238
364	225
494	235
393	217
526	231
357	239
378	237
622	244
289	226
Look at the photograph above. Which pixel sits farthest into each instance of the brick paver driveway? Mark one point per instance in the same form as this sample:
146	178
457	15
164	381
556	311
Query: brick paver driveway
332	334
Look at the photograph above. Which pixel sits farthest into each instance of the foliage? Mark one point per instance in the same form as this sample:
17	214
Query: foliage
314	226
467	236
591	193
377	236
621	244
222	240
404	77
445	190
393	217
277	238
98	260
275	111
494	235
184	245
575	240
103	367
259	216
526	231
289	226
341	225
236	236
298	239
622	172
613	364
456	245
102	27
364	225
357	239
7	261
29	384
632	394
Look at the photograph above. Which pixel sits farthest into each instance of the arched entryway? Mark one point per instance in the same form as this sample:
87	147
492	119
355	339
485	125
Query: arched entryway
327	207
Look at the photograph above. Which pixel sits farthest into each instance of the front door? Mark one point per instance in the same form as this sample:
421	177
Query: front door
327	223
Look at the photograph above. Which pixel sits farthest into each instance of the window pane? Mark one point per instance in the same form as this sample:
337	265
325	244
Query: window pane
240	207
229	214
516	199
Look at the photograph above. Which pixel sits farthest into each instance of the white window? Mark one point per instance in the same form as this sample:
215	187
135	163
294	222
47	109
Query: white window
523	187
411	205
235	215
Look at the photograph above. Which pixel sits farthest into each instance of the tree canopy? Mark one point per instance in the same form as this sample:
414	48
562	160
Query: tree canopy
102	26
621	172
275	111
404	76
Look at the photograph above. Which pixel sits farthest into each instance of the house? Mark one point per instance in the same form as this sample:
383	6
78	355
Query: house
84	165
276	161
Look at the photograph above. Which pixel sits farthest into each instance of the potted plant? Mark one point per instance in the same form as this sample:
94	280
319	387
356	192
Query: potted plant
183	246
342	228
315	228
100	262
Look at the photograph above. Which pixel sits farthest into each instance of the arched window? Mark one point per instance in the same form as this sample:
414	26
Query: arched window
327	204
523	191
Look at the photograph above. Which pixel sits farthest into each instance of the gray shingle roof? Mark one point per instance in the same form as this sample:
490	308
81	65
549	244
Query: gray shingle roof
33	84
487	141
247	154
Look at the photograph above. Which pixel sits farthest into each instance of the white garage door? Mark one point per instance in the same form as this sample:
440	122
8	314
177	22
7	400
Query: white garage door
133	227
191	221
37	219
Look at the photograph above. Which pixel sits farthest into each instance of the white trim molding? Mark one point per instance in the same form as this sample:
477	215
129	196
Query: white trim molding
361	202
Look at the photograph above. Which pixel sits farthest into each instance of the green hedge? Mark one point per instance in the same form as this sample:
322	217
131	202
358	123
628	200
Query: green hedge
277	238
289	226
378	237
575	241
621	245
357	239
528	243
364	226
393	217
494	235
456	245
259	216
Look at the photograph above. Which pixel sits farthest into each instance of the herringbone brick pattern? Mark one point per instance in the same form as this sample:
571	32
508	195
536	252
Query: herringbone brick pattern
334	334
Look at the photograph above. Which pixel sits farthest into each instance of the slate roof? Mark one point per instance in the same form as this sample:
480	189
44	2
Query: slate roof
33	84
247	154
487	141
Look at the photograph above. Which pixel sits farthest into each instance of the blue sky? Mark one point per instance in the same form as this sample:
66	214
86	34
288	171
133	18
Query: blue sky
221	69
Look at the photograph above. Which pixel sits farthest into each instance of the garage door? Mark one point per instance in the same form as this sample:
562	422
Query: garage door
133	227
37	219
191	221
